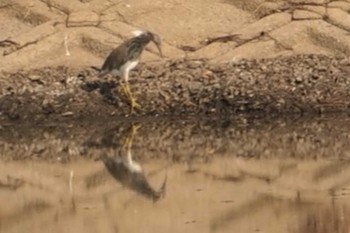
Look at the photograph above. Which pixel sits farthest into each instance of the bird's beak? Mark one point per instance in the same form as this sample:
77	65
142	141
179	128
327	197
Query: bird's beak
159	46
160	50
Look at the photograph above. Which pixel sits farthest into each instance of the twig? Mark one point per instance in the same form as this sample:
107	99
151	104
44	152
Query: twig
66	45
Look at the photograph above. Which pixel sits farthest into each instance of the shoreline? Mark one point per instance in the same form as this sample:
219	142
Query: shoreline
301	84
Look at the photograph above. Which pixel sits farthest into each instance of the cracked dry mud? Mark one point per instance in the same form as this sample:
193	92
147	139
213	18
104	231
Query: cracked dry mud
223	57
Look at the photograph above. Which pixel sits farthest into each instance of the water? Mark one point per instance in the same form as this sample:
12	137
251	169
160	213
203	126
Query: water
239	175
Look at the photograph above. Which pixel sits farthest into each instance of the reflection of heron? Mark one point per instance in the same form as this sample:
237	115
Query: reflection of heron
129	173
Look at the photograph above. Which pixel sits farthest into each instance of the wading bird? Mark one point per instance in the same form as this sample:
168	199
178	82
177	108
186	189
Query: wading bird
125	57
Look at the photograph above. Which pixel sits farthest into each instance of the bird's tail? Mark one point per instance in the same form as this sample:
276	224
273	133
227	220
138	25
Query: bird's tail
100	73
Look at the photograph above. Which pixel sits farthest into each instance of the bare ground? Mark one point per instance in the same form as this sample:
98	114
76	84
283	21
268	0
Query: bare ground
266	57
283	85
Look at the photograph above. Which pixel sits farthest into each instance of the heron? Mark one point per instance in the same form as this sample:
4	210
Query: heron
125	57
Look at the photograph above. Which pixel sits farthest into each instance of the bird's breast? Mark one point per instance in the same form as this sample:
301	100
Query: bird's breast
129	65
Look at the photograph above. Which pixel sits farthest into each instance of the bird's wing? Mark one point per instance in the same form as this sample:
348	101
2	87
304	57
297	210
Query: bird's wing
135	48
128	51
115	59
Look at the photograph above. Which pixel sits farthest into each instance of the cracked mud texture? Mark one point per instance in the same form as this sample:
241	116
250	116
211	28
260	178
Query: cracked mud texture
83	32
283	85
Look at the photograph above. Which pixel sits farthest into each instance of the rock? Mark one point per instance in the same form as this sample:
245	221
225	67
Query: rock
321	10
213	50
313	35
119	28
298	80
64	5
294	36
264	25
83	19
339	18
253	49
314	2
345	6
345	62
268	8
330	37
36	79
32	36
66	114
304	15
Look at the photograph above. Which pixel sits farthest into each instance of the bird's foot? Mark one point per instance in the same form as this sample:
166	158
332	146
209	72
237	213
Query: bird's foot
134	105
132	101
125	90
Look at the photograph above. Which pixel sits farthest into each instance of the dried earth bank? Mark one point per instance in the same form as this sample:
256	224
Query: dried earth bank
302	83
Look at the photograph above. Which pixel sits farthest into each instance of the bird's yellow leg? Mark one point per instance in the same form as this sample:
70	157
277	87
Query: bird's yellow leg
132	100
125	90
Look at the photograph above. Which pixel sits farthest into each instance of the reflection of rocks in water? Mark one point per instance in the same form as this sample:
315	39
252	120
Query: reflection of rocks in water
111	138
185	140
326	220
129	173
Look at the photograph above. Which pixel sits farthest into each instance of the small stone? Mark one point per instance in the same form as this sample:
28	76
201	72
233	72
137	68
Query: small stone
345	62
207	74
67	114
298	80
83	19
34	78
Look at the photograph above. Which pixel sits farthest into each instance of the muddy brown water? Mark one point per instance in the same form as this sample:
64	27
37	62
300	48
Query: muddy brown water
168	175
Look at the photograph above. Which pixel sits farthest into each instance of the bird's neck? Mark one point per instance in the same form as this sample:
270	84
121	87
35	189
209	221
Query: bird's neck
142	39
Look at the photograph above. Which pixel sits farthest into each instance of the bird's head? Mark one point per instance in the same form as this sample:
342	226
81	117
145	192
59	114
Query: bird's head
157	41
151	37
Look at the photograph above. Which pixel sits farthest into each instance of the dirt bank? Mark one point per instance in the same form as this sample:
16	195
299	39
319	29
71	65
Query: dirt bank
304	83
